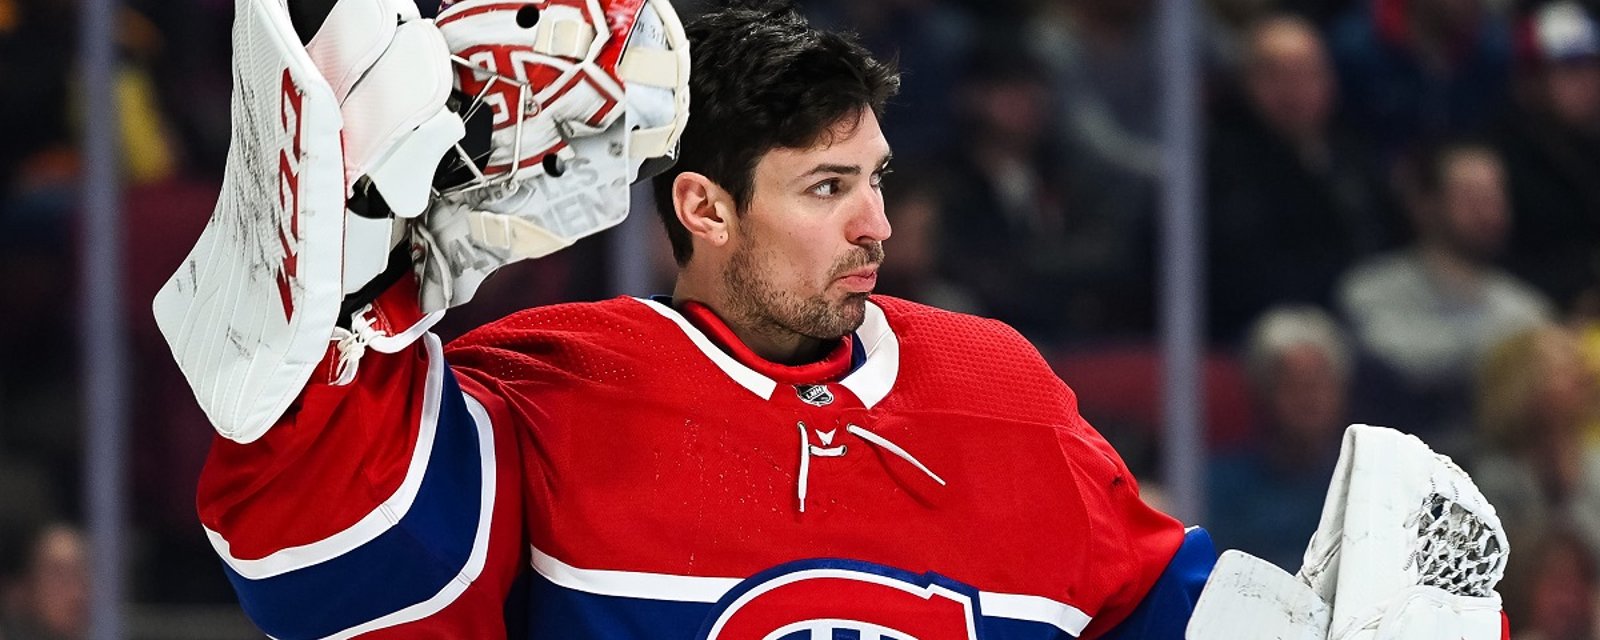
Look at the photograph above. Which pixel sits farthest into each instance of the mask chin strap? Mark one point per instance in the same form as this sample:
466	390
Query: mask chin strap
807	450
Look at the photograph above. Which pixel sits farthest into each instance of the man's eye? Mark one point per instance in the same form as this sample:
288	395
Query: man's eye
877	177
826	188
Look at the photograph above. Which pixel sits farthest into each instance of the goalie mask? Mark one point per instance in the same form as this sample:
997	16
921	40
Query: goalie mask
568	102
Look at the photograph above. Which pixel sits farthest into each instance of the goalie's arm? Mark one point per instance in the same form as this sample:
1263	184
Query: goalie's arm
383	504
1154	568
359	487
1164	610
388	505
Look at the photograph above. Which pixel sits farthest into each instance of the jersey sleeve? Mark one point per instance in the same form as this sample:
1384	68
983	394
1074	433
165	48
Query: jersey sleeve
387	507
1163	613
1161	567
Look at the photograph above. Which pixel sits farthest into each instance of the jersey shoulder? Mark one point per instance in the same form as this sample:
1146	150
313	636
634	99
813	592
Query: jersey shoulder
582	340
960	360
957	331
568	320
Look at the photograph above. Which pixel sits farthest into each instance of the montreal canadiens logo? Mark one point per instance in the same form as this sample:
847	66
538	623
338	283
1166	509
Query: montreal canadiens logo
844	599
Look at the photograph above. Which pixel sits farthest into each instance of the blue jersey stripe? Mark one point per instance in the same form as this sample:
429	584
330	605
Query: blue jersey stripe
405	565
1164	612
560	612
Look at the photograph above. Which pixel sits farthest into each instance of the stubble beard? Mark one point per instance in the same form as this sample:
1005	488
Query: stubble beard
772	311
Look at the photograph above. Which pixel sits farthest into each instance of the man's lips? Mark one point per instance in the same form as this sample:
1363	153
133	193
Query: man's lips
862	280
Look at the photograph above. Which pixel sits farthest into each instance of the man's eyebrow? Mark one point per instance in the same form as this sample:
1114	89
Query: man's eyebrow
843	169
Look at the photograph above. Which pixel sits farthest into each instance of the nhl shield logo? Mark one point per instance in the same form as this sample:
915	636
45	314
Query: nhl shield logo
816	395
844	599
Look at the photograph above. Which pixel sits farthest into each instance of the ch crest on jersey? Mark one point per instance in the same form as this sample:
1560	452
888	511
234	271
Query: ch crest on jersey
844	599
816	395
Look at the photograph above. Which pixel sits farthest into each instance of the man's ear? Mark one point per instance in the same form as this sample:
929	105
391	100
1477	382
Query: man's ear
703	207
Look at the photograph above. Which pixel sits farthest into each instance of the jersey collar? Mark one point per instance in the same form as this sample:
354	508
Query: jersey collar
830	368
870	382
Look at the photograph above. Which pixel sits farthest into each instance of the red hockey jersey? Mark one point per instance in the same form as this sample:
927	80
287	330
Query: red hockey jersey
624	470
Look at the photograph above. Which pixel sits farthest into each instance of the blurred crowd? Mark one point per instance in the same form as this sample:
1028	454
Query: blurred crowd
46	592
1402	219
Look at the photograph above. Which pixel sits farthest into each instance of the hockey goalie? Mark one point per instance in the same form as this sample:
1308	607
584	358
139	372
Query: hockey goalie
771	452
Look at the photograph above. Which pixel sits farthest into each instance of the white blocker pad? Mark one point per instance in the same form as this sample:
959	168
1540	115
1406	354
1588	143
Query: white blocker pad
249	313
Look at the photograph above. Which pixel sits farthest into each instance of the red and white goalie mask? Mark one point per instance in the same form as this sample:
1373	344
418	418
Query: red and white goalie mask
580	99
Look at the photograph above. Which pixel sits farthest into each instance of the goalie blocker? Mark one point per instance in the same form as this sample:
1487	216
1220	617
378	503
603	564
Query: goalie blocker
332	164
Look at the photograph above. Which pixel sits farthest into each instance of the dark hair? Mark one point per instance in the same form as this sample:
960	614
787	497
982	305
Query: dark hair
1429	162
764	79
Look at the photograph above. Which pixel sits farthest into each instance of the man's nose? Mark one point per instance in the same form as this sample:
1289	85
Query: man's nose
870	223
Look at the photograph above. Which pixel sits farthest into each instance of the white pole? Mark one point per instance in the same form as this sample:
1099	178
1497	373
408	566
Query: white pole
102	341
1182	276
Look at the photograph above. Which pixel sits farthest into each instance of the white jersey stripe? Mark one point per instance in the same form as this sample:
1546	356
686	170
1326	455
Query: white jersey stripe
375	523
631	584
1034	609
480	541
871	383
708	590
748	378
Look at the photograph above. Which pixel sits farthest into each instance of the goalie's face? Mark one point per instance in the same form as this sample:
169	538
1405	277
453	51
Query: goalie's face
803	256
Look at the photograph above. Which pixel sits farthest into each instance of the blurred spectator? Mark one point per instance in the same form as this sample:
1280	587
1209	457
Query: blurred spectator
50	598
1007	223
28	496
912	269
1585	321
1102	61
40	119
1231	22
1551	143
1426	313
1228	27
1267	497
36	51
1320	12
1534	398
1295	197
1416	69
1550	589
1102	67
148	152
193	90
1022	219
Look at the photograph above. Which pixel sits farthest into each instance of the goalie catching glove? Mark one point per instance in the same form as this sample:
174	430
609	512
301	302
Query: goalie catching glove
1407	549
337	143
